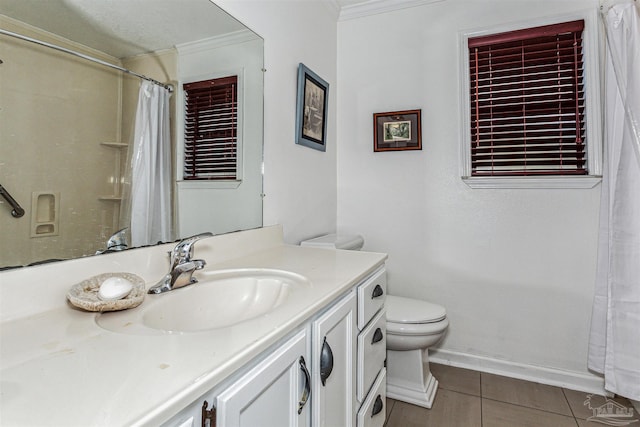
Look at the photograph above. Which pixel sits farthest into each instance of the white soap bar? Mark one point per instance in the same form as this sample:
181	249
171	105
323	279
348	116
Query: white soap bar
114	288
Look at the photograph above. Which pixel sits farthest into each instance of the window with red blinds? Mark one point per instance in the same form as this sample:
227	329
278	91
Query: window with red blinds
211	129
528	102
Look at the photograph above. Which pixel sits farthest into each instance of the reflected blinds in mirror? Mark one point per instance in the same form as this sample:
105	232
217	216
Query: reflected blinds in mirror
211	129
527	102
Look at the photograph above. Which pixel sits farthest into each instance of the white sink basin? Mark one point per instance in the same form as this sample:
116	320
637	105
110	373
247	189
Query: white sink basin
220	299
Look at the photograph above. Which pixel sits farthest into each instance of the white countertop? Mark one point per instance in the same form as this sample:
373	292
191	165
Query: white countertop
58	367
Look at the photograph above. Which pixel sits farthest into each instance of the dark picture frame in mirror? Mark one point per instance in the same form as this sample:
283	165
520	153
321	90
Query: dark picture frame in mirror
311	109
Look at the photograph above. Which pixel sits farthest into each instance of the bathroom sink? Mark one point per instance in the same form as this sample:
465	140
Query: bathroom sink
220	299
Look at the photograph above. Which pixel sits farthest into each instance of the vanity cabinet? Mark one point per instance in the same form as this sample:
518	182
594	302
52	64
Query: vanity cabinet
329	373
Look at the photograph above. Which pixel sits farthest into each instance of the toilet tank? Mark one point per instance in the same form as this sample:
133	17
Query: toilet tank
336	241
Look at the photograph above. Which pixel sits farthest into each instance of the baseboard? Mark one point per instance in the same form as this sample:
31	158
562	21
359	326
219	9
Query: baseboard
588	383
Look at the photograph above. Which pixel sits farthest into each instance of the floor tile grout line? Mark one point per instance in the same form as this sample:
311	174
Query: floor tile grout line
390	412
459	391
481	405
568	403
529	407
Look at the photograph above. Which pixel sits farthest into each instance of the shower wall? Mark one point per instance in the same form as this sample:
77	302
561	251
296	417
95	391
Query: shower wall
59	129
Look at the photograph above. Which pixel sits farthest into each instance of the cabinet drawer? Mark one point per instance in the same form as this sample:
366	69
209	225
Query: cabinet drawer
372	413
371	296
372	352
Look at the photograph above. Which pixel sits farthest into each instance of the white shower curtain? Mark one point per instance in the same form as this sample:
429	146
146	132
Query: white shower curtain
614	346
151	219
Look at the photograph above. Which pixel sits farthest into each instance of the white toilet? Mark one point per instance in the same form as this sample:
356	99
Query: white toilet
412	327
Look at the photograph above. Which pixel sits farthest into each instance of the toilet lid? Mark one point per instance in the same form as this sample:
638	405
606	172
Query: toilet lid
336	241
409	310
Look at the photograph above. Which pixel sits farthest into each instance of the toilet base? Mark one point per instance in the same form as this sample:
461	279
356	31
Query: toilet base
409	378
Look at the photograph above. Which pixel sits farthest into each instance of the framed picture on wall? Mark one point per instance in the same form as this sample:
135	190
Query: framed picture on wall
397	131
311	109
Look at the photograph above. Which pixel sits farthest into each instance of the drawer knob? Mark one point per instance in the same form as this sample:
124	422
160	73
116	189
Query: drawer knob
377	336
326	361
377	406
377	292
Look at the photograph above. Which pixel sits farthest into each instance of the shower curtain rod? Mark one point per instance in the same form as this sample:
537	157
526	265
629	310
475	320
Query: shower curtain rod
87	57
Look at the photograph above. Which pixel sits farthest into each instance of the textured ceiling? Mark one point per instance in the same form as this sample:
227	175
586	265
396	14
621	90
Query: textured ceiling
124	28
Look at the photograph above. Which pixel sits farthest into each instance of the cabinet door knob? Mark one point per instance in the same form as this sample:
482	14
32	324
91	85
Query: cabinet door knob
377	406
377	292
326	361
307	385
377	336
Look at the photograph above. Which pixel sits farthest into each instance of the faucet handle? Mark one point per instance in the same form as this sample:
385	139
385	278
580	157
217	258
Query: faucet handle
183	251
182	275
199	263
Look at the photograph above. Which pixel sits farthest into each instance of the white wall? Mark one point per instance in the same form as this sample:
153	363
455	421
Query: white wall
514	268
299	182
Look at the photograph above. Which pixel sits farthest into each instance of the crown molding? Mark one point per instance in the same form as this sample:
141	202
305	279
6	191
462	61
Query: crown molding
334	7
235	37
374	7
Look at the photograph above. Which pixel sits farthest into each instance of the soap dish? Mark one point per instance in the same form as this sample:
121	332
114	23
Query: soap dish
85	294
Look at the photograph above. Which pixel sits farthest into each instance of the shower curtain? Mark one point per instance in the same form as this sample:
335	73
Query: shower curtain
151	219
614	346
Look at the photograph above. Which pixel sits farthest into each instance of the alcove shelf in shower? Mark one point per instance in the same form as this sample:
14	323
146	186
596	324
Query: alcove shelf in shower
118	161
119	158
115	144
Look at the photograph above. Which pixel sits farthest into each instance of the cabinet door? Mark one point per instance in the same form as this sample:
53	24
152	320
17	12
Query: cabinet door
274	393
333	374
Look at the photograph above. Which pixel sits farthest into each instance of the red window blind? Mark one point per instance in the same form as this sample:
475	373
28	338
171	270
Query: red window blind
527	102
211	128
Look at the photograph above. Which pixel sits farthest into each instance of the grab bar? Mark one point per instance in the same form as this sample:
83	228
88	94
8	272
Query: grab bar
17	211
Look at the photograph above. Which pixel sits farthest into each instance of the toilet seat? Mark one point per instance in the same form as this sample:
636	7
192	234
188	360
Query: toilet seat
411	311
335	241
417	329
406	316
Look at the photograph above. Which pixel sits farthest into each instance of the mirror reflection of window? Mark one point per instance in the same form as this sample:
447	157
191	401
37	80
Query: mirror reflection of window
211	129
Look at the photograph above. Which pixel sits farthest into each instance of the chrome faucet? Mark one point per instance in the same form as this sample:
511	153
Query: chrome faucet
117	242
182	266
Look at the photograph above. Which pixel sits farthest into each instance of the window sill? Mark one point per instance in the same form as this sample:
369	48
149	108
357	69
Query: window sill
212	184
533	182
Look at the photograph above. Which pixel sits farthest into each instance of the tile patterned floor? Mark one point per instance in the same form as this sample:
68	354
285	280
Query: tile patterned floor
473	399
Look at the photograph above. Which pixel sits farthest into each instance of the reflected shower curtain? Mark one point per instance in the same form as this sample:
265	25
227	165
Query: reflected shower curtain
614	345
151	219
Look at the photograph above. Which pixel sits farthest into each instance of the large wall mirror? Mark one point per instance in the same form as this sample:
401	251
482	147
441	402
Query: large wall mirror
67	124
